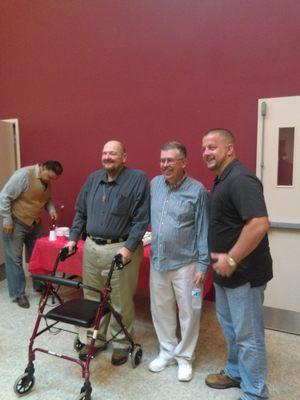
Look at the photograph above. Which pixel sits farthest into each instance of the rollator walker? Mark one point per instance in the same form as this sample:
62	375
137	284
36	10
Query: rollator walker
79	312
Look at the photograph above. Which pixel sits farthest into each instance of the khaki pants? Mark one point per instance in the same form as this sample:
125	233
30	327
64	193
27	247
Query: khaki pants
166	289
96	263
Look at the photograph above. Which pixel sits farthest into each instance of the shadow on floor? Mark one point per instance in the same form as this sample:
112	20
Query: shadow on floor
2	272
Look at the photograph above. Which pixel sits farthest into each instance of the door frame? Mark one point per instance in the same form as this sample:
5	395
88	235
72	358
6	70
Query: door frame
275	318
15	123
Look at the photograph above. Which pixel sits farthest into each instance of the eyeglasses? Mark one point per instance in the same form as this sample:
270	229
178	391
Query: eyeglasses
169	161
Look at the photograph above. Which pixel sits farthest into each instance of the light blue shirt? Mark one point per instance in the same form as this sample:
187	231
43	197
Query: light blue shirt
14	187
179	224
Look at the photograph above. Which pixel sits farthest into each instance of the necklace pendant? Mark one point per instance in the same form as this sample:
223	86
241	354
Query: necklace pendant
103	198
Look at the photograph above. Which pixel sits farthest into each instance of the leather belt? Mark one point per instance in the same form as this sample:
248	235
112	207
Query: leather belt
102	241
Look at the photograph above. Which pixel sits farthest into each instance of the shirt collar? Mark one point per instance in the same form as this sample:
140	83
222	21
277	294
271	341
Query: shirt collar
37	171
119	179
226	171
178	184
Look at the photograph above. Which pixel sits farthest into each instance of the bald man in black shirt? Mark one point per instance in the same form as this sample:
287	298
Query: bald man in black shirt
242	265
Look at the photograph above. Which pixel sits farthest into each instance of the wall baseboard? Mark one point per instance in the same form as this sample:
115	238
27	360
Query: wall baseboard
282	320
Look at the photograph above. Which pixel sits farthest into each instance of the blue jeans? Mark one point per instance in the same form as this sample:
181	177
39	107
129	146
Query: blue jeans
13	250
240	314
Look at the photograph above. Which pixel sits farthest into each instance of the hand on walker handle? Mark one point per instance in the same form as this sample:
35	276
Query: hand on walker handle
126	255
71	246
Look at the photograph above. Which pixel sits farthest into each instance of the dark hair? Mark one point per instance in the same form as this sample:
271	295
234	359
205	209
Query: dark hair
175	145
54	166
225	133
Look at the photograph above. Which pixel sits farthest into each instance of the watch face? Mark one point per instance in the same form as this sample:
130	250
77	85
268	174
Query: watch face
231	262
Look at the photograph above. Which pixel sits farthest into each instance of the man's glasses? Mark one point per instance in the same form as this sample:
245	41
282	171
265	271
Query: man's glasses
169	161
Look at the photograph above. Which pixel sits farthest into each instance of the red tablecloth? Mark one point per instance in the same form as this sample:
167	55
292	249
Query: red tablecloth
45	253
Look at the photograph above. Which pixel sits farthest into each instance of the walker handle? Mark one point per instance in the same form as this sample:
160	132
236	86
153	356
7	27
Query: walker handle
64	253
58	281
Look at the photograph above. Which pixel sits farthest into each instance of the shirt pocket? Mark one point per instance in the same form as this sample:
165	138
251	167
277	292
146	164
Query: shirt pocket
182	212
121	205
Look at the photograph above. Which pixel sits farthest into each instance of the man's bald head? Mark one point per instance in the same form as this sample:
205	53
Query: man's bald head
116	144
225	134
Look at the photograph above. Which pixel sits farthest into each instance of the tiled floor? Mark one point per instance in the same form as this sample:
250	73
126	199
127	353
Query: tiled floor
62	380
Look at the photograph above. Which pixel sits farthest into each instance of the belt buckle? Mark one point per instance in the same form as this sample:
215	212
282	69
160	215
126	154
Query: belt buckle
98	241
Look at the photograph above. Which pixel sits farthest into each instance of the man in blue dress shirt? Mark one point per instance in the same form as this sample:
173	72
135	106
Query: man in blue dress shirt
179	259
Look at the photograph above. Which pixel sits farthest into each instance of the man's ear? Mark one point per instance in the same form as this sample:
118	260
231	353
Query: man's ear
230	150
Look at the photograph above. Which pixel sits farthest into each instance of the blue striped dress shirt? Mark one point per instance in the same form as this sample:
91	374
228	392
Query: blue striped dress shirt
179	224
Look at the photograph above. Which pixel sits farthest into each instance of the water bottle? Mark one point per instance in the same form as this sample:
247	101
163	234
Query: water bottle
196	297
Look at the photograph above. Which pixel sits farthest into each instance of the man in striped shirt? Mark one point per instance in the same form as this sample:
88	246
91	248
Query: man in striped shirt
179	259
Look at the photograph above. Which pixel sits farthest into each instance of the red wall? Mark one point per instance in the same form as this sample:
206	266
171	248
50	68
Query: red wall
79	72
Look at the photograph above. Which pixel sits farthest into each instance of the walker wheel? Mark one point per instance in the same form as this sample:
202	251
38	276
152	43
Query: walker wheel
85	392
78	345
136	355
24	384
84	396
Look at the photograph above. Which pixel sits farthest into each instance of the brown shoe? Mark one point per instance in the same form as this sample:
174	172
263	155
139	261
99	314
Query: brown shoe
221	381
119	356
23	302
86	348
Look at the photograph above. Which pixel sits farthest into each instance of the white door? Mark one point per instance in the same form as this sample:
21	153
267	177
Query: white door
9	157
278	167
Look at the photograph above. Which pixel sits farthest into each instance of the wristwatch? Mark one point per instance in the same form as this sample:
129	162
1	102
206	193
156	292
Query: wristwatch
231	262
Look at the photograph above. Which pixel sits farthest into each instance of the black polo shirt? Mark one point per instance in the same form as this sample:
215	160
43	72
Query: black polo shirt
237	197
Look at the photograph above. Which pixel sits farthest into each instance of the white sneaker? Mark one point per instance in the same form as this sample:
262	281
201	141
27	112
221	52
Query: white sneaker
159	364
185	371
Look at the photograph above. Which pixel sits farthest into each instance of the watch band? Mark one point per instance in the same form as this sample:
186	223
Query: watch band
231	262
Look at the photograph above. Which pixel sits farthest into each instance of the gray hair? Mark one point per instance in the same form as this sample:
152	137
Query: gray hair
174	145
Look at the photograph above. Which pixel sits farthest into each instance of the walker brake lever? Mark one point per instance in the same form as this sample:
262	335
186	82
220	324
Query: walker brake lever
118	261
64	252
